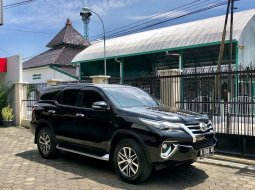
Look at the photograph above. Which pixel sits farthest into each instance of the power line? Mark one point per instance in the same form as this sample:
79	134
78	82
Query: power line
148	18
6	51
168	20
161	22
18	4
29	31
173	16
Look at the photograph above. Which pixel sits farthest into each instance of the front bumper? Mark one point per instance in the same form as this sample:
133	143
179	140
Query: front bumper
181	152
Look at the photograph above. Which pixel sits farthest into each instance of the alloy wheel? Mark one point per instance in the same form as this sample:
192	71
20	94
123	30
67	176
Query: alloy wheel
128	161
44	143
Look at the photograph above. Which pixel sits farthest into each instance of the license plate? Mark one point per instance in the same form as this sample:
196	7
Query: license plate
206	152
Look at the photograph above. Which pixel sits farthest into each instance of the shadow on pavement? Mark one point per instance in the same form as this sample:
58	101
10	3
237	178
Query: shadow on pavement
103	172
246	172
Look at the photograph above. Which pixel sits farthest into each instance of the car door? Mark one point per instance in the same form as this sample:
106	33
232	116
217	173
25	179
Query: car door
63	116
93	126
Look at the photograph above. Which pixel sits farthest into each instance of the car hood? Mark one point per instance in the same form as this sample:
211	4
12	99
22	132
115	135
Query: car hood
166	113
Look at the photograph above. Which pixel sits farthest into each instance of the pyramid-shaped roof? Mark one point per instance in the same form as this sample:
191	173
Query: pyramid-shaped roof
68	36
57	56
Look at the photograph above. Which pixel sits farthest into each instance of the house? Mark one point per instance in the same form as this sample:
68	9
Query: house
55	63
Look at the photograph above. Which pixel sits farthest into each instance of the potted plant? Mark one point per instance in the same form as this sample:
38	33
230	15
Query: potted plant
7	115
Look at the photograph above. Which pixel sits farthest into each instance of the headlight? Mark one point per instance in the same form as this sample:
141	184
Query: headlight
163	125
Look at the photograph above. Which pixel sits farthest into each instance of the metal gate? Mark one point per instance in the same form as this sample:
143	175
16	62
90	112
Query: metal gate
32	92
233	118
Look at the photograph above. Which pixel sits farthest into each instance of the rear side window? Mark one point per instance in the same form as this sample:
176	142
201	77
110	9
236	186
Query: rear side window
69	97
50	95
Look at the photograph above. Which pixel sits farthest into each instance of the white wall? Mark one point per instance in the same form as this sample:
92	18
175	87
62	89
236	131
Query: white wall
43	75
13	76
14	71
246	50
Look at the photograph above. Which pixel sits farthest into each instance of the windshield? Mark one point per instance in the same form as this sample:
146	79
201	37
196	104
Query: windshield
127	97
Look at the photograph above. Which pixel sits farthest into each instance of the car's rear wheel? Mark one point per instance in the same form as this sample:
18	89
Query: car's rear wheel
46	143
130	161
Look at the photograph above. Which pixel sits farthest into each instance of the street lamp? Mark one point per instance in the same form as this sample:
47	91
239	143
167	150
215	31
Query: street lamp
86	13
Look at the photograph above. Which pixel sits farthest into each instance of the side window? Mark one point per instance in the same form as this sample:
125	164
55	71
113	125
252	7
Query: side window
49	95
69	97
89	97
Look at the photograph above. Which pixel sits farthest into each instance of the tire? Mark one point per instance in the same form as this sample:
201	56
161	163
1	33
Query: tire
130	157
46	143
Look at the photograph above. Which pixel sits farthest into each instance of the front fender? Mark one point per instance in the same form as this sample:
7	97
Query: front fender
40	124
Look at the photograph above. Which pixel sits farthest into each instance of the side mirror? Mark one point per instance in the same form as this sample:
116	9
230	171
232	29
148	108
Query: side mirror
101	105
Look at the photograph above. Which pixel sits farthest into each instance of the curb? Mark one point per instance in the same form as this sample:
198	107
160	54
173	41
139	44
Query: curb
233	159
231	162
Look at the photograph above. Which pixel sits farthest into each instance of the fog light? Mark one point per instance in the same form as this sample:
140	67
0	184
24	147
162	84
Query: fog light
164	146
168	149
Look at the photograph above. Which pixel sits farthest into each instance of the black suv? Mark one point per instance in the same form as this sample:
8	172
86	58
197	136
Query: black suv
122	124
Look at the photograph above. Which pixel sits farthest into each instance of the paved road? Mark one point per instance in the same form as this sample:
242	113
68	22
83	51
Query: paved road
22	168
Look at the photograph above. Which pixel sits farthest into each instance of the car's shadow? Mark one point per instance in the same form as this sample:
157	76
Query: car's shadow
103	172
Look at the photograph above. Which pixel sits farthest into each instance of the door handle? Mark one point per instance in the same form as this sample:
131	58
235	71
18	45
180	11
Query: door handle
79	115
51	111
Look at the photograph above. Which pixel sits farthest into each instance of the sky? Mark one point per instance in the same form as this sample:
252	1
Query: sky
28	28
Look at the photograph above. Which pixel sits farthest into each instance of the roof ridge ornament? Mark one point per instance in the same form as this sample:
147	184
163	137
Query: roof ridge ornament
68	22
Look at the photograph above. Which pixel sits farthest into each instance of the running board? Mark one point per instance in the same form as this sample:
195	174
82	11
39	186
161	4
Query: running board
105	157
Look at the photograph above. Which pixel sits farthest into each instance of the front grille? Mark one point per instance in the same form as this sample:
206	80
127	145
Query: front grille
204	143
196	129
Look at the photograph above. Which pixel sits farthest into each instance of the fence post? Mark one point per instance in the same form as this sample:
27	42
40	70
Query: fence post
100	79
53	82
222	113
19	95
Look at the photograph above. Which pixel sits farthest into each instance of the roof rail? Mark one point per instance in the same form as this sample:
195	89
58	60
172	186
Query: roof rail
70	83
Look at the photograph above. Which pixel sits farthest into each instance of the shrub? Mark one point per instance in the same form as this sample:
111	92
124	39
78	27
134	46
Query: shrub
7	113
3	96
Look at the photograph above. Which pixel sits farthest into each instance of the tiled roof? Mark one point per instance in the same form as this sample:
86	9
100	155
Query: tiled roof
68	36
71	70
60	56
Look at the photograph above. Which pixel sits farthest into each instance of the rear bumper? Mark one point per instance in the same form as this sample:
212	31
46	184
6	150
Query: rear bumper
32	128
33	131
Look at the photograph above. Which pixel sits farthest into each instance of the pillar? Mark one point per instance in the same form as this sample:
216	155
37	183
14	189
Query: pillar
19	107
100	79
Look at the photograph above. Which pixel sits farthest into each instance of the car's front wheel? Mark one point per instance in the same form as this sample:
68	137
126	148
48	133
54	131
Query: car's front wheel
130	161
46	143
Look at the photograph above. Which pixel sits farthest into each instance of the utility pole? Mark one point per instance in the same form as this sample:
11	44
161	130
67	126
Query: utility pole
1	12
230	49
229	64
217	82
